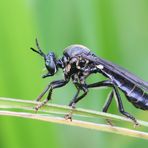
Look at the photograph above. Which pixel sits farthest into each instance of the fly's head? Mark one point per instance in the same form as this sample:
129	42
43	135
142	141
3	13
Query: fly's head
50	64
50	61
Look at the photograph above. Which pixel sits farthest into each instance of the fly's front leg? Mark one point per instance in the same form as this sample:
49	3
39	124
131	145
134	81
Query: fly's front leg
43	93
52	85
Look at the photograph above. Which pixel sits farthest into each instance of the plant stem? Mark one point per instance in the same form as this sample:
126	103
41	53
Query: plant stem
78	123
7	103
61	109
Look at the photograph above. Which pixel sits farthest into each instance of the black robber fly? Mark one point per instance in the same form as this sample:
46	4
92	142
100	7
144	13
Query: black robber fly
78	63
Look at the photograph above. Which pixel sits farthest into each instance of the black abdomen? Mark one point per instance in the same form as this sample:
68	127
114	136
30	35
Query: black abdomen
137	96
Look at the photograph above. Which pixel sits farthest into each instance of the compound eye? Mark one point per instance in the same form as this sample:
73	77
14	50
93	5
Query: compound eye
47	62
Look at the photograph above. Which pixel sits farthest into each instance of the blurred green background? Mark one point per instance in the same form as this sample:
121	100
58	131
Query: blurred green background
116	30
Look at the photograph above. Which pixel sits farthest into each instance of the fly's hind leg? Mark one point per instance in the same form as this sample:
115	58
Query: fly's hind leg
119	101
121	108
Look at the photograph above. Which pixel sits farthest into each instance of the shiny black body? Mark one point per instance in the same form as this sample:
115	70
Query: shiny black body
78	63
133	87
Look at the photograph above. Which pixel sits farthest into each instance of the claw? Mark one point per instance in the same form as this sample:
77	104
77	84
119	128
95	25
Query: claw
37	107
68	116
73	105
136	124
109	122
